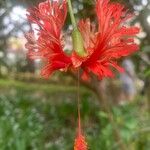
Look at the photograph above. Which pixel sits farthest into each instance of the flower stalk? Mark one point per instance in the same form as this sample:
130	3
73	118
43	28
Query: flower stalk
73	20
80	143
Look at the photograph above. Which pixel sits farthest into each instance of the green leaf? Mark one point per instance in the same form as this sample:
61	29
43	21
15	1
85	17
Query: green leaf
103	114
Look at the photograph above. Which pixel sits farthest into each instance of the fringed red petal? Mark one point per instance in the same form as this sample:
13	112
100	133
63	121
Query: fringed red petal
113	39
49	16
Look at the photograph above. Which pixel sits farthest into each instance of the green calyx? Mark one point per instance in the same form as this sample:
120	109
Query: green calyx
76	35
78	43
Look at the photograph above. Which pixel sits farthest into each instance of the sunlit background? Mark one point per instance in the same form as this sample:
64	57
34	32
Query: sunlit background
39	114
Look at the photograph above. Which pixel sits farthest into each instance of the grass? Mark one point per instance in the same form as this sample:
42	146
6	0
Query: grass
48	88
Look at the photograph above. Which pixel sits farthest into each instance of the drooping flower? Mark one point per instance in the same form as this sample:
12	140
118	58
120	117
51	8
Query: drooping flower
104	44
111	40
49	17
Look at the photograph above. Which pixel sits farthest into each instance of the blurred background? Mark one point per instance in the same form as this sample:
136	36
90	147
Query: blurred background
39	114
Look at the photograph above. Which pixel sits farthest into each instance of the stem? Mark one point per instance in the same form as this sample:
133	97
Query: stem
78	45
73	21
78	94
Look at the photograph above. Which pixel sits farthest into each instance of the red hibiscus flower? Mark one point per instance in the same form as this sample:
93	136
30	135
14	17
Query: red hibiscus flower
50	17
104	43
97	47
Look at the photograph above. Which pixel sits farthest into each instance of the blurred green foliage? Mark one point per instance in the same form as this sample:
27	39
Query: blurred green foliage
34	119
82	9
